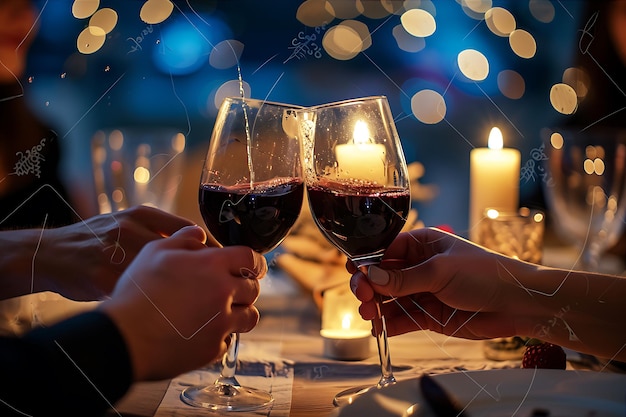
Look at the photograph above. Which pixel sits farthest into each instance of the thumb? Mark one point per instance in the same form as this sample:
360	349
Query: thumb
191	232
394	282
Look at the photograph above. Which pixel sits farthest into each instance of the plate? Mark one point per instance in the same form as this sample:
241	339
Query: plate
504	392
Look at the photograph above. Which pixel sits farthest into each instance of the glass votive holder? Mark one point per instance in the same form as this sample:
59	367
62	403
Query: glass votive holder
518	235
346	335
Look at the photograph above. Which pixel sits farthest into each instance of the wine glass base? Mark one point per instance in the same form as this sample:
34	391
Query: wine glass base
226	397
348	396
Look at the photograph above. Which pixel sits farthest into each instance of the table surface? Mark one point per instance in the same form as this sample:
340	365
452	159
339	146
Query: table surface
290	317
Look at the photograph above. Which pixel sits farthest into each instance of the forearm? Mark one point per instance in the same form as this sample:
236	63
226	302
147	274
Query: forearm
79	367
18	249
579	310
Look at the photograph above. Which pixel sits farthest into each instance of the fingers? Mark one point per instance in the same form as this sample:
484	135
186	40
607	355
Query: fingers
245	262
157	221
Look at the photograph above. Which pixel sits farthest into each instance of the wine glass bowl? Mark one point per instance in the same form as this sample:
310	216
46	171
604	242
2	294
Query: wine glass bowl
584	187
251	192
358	190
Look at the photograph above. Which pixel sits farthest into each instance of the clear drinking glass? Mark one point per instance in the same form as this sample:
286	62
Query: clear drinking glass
251	193
585	185
358	190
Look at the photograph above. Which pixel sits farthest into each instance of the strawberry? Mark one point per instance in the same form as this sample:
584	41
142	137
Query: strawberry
544	355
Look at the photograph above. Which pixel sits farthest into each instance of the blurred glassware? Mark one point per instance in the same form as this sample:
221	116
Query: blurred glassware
518	235
133	166
584	188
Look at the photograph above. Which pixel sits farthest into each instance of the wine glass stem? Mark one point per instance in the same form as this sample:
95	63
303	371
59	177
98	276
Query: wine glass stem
229	361
380	330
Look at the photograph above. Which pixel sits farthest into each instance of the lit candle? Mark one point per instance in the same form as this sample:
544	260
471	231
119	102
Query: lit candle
346	336
362	159
494	179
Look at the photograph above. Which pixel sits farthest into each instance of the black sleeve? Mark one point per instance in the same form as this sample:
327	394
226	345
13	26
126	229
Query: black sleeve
79	367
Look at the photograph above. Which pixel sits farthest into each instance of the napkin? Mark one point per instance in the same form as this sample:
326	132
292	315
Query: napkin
258	366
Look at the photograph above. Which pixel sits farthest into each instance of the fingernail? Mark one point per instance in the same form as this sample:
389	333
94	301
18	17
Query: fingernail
377	275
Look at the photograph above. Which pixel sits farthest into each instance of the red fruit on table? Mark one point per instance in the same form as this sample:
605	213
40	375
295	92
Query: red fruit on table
544	355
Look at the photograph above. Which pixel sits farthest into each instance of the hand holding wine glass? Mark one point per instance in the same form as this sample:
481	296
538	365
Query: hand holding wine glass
358	189
251	193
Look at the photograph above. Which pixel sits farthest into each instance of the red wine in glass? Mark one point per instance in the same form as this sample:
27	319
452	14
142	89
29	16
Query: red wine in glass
360	219
258	217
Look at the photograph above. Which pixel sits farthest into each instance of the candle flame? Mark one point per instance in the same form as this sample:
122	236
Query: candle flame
346	321
361	133
495	139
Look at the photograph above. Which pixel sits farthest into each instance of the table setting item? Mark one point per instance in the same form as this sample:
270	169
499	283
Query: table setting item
358	191
502	392
585	184
250	193
135	165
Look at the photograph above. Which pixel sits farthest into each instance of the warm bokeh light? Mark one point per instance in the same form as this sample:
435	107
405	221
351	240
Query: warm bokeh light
578	79
156	11
342	9
315	13
556	140
500	21
343	42
106	19
418	22
141	175
428	106
90	39
473	64
82	9
523	43
563	98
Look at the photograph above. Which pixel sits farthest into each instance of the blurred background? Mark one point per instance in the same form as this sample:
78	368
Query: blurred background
451	69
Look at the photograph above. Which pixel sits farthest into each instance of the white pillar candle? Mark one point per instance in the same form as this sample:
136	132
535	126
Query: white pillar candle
494	179
362	159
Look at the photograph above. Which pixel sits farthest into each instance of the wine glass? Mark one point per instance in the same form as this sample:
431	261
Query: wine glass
358	191
251	193
585	186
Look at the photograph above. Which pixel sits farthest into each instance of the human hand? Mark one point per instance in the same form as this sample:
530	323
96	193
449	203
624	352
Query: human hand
83	261
444	283
178	302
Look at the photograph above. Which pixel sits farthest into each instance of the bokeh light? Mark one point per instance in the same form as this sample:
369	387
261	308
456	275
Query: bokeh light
428	106
156	11
523	43
500	21
563	98
418	22
82	9
473	64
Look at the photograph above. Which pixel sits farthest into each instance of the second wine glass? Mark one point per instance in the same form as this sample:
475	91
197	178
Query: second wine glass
358	191
251	193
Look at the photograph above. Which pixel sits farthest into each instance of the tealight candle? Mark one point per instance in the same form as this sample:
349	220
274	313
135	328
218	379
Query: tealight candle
494	179
362	159
346	336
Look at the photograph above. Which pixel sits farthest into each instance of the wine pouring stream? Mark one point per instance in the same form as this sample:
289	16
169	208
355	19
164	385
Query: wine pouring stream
358	190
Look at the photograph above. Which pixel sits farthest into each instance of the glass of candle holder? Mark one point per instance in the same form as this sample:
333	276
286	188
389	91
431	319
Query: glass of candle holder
518	235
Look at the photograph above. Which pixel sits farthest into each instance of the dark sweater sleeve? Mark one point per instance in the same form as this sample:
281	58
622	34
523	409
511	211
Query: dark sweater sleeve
79	367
